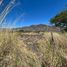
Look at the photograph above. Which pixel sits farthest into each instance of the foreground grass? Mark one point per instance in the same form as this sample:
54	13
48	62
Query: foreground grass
33	49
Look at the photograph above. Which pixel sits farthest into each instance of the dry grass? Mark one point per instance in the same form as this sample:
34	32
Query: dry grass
33	49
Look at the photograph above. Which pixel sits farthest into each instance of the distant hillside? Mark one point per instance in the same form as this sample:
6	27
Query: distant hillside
40	27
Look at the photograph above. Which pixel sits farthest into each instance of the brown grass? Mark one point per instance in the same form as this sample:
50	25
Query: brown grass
33	49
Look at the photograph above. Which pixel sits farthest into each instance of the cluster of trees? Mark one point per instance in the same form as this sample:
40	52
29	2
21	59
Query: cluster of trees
60	20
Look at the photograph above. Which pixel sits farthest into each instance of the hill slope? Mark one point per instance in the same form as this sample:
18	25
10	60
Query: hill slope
40	27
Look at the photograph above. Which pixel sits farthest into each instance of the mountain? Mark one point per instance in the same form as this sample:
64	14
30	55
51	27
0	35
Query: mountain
39	28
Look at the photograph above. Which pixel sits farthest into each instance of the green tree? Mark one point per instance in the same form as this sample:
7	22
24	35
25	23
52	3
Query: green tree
60	20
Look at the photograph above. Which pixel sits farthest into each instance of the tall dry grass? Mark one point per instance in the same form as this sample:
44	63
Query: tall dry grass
36	50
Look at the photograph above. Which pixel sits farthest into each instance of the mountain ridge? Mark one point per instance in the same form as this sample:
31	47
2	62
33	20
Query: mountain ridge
40	28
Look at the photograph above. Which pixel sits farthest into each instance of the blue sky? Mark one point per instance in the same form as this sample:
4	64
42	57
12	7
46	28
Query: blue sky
29	12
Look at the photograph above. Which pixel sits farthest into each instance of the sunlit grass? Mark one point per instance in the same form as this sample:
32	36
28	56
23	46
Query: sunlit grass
42	49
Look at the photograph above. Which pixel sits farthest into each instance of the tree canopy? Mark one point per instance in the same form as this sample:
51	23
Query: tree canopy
60	20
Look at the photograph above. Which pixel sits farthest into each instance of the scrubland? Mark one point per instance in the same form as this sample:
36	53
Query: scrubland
43	49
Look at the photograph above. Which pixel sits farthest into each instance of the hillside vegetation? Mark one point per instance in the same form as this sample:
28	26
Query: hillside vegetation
43	49
39	28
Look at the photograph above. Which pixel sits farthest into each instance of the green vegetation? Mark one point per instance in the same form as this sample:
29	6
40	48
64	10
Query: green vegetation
60	20
42	49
